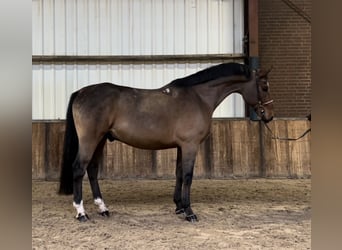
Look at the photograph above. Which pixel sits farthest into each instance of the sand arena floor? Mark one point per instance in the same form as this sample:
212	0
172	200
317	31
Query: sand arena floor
233	214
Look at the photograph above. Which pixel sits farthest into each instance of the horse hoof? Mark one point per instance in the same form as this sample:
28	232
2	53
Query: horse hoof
105	213
180	211
191	218
82	218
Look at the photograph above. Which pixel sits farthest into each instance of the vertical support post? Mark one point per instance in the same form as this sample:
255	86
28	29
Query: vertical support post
253	43
254	63
253	31
154	163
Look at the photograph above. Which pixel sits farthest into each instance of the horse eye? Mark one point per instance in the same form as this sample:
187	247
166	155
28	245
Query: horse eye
264	86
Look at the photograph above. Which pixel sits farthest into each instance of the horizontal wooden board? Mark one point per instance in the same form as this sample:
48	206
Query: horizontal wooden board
235	148
286	158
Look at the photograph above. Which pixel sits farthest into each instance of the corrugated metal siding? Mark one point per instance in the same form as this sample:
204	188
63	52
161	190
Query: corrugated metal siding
52	84
128	27
136	27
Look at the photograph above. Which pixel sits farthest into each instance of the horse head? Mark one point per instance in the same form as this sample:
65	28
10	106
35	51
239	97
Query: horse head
257	94
264	107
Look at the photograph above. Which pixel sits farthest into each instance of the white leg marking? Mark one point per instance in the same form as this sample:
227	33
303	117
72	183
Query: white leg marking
79	208
100	203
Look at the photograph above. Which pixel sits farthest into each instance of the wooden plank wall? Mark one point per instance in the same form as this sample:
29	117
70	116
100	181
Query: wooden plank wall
284	157
236	148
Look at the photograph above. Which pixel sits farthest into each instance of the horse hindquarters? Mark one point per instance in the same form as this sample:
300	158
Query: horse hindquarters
77	158
88	157
71	171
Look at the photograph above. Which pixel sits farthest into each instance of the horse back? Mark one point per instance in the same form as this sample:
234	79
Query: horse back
150	119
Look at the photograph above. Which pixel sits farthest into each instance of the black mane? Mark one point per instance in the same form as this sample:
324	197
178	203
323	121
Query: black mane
211	73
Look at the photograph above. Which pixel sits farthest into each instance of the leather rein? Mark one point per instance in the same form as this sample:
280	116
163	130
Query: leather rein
286	138
261	105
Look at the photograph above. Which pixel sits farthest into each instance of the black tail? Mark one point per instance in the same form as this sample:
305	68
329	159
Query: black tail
69	151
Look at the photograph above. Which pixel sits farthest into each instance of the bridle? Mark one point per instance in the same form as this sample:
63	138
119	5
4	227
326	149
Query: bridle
261	105
278	137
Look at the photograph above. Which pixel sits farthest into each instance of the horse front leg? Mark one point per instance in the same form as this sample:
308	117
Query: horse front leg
177	197
188	161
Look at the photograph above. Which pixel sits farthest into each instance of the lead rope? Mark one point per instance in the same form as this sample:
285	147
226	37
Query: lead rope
286	138
268	128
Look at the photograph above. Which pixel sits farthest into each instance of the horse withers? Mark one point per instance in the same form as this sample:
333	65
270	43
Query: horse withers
177	115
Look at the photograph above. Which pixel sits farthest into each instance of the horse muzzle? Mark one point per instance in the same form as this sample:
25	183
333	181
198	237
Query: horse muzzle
266	120
265	110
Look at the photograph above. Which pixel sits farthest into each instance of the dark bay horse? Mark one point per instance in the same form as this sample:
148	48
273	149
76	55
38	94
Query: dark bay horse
177	115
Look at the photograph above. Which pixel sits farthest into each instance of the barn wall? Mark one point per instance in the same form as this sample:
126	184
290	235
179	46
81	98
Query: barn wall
53	83
283	157
132	28
137	27
235	148
285	44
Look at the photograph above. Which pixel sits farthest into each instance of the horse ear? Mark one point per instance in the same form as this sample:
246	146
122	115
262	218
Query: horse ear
263	73
268	71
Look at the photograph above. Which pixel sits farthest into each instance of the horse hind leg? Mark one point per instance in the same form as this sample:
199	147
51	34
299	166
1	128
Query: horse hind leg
92	172
78	173
81	163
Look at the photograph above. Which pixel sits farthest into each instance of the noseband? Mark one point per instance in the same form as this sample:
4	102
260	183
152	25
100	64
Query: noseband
262	104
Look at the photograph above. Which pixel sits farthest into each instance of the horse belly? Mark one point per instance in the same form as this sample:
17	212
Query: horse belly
142	136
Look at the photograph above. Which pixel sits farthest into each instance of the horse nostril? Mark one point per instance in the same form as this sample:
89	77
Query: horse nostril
268	120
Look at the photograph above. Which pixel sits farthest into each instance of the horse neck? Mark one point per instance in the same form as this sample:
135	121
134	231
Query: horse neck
215	91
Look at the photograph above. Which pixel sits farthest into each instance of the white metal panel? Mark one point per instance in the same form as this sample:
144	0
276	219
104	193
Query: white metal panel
37	92
60	34
53	84
128	27
48	27
136	27
37	22
238	26
71	31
